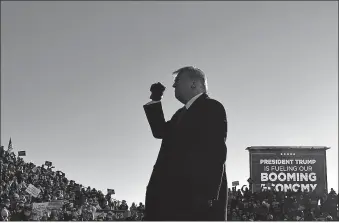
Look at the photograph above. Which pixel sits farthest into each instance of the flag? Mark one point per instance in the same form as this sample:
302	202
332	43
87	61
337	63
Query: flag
22	153
235	183
2	151
10	146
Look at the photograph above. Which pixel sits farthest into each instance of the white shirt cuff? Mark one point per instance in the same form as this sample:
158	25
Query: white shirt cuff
152	102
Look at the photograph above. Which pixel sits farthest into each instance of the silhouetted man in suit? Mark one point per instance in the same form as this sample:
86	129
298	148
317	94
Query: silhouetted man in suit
188	182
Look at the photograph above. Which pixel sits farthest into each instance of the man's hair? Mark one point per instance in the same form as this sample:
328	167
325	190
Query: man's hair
193	73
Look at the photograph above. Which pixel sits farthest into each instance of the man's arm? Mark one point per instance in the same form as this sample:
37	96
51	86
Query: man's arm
156	119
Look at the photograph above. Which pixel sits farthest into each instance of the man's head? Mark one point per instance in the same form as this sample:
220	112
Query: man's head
188	82
234	213
7	203
16	197
106	202
5	214
27	211
20	207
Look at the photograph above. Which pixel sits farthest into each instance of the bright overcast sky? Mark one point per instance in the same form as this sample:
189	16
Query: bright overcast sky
75	76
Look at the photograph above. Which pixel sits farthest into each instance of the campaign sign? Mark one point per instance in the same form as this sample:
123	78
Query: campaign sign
39	208
33	190
110	191
99	214
22	153
48	163
55	205
235	183
289	170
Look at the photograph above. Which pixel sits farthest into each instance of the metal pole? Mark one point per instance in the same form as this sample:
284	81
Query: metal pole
0	96
0	93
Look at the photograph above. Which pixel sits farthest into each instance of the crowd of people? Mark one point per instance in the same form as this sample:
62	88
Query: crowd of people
272	205
79	203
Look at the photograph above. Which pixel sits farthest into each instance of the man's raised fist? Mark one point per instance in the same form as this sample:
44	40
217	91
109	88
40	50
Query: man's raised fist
157	90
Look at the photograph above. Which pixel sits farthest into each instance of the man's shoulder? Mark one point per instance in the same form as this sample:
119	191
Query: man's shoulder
214	104
213	101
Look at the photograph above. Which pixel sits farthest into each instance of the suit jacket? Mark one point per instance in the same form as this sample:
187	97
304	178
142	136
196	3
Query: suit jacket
190	168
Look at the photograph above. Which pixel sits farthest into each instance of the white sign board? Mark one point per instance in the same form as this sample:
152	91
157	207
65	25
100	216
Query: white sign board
33	190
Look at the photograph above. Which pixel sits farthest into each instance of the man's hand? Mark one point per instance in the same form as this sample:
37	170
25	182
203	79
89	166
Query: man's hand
157	90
